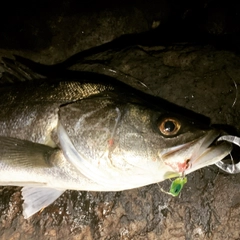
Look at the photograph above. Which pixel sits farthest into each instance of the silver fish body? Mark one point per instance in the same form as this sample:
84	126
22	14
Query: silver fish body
81	135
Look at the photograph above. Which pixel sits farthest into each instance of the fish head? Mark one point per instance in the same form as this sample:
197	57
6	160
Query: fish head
124	144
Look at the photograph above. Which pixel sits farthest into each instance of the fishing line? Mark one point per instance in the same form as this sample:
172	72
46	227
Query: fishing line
106	69
235	100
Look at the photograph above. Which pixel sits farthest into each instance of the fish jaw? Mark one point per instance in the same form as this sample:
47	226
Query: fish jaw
196	154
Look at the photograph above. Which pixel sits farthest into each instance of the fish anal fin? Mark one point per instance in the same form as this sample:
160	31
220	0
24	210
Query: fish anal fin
37	198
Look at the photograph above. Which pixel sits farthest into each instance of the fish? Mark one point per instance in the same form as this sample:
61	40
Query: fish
95	133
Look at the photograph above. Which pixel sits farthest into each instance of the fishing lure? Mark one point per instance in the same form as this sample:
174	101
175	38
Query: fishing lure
229	168
176	186
179	182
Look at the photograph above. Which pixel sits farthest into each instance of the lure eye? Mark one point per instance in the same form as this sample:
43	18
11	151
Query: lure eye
169	126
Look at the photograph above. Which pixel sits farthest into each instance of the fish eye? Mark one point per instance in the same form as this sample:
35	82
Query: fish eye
169	126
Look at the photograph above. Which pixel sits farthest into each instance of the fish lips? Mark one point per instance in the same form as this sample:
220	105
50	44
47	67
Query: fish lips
196	154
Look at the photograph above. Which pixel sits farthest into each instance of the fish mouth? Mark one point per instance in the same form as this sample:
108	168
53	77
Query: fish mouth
196	154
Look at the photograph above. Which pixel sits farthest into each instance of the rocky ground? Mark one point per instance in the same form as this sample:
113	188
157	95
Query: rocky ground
187	53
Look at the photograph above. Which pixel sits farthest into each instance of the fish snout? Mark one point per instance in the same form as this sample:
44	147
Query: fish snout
196	154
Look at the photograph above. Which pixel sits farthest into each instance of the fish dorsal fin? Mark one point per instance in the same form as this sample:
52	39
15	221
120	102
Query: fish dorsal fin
37	198
12	71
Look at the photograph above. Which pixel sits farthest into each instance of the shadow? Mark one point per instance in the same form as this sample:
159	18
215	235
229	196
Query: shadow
230	130
31	24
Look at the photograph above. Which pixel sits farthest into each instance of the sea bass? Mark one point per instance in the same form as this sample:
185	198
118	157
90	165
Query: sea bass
95	135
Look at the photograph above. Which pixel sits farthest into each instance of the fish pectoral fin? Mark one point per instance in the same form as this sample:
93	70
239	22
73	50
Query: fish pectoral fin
19	153
38	198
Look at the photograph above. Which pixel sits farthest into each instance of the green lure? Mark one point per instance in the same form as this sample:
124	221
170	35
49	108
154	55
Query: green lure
176	186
